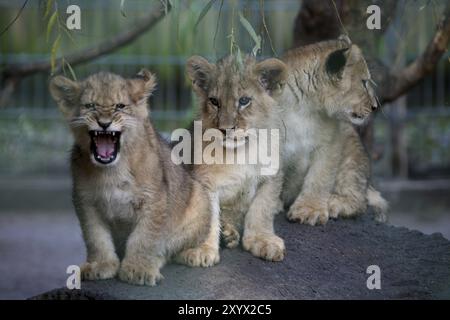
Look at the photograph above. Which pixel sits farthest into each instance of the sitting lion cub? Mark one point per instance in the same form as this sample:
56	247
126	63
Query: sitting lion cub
327	169
133	203
237	99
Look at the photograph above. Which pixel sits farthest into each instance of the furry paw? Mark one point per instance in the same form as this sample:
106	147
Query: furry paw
98	270
335	206
266	246
339	206
139	273
308	212
230	236
203	256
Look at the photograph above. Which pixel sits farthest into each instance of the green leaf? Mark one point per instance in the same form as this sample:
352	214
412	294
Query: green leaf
165	4
54	51
48	8
204	12
122	8
72	73
239	60
256	38
69	35
51	23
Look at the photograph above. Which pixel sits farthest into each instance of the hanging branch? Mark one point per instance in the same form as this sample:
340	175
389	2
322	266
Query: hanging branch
402	81
13	74
15	19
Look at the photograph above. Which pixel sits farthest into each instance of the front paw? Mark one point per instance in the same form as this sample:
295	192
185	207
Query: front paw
230	236
266	246
335	206
139	273
342	207
99	270
308	212
203	256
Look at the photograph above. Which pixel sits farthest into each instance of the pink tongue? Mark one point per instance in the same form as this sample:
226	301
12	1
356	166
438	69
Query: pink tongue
105	147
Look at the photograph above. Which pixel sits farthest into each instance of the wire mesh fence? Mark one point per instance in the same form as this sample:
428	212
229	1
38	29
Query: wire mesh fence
33	135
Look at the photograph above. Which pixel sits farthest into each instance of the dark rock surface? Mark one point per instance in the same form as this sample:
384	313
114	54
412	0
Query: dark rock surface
322	262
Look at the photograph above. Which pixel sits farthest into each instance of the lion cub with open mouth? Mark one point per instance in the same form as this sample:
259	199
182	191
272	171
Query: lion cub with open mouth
132	202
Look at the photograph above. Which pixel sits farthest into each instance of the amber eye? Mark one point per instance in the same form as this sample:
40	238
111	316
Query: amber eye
120	106
244	102
89	105
214	101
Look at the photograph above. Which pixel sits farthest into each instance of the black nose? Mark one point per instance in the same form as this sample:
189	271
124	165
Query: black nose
374	107
104	125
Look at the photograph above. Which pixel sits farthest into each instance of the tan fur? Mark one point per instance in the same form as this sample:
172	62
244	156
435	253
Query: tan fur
380	205
326	167
248	200
140	210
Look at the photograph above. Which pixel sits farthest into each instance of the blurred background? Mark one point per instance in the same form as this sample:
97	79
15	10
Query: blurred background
408	139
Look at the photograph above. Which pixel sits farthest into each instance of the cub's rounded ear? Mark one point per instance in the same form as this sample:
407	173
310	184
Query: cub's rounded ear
336	62
346	39
142	85
340	58
64	89
199	71
148	78
65	92
272	75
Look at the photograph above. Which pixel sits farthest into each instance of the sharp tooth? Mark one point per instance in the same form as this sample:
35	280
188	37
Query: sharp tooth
113	134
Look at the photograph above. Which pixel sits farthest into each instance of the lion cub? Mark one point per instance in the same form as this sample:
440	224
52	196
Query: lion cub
327	169
235	99
132	202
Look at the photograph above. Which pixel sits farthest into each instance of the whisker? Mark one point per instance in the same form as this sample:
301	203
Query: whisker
128	122
77	122
381	106
378	100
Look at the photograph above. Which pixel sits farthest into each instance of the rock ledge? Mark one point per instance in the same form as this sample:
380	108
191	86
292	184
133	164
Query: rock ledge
322	262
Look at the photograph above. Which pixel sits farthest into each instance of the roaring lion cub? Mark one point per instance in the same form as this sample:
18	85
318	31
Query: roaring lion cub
132	202
327	169
235	98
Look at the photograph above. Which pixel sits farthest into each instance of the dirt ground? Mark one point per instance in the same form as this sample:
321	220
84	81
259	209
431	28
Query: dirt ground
35	250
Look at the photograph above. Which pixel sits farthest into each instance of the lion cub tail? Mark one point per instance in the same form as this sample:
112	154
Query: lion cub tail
378	203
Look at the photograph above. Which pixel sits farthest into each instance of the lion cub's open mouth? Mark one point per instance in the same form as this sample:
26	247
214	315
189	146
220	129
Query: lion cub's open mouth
105	145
